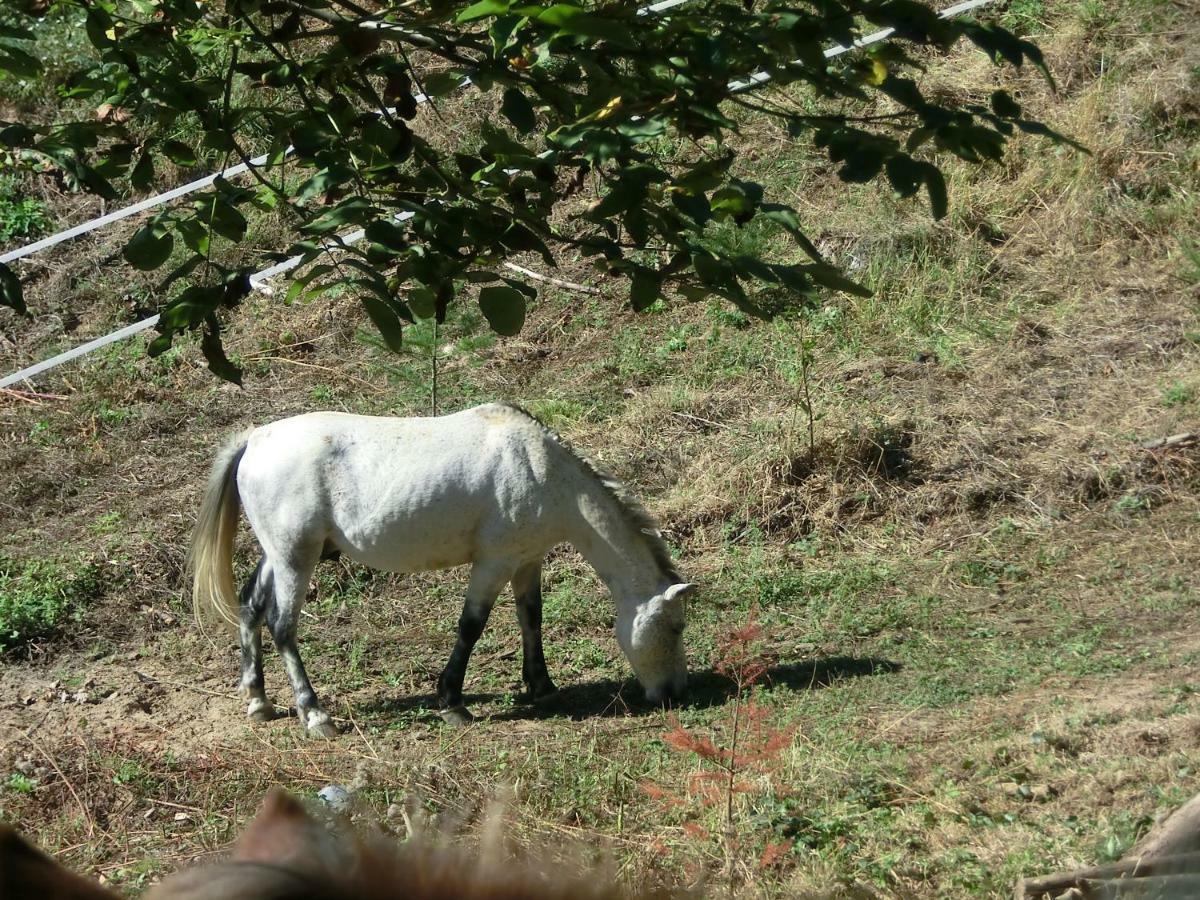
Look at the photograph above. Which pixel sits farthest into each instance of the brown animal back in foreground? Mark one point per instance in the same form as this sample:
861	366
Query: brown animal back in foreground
286	854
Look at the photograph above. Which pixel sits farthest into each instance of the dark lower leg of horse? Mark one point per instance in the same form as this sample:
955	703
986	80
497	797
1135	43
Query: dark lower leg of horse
533	658
308	709
450	684
257	595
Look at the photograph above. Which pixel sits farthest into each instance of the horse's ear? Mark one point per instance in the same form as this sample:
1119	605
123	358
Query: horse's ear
283	833
27	872
678	591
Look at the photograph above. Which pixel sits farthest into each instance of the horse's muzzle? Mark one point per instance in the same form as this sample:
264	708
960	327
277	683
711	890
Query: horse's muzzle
668	694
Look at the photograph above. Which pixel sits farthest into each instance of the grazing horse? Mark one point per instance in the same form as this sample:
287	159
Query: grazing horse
490	486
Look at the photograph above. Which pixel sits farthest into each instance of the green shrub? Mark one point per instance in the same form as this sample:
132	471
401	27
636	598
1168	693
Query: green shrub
20	216
37	596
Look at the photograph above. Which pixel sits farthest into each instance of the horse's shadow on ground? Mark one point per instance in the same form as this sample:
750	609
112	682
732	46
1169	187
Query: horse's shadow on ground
610	697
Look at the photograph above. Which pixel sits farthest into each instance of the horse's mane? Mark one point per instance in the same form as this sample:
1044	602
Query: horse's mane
631	508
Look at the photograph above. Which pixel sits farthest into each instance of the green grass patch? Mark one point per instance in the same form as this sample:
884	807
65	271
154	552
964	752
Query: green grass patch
39	596
20	216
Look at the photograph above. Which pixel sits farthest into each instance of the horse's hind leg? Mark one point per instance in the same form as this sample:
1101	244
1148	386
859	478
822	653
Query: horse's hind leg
291	586
527	587
486	581
257	598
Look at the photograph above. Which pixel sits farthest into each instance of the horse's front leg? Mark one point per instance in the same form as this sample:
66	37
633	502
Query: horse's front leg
291	585
486	582
527	588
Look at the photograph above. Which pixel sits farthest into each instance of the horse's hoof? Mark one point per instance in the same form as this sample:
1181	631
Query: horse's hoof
540	692
457	716
319	725
260	711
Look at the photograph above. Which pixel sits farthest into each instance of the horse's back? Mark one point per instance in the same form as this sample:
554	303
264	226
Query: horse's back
405	494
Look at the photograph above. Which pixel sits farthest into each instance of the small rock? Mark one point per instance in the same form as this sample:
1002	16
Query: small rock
82	697
1010	788
335	797
182	817
1042	792
1022	791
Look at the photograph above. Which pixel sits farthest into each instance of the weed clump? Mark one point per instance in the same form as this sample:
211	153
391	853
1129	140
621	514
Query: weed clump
37	596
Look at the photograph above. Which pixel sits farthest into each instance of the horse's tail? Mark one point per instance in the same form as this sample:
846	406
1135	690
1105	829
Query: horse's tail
210	556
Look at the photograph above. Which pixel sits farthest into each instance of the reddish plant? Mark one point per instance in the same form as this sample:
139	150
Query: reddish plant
754	747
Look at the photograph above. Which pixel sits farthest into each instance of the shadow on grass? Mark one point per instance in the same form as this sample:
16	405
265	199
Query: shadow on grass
610	697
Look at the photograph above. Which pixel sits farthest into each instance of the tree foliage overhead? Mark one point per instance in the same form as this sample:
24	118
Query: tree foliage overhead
586	92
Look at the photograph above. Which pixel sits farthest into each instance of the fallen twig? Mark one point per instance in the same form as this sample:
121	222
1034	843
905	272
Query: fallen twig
558	282
1184	439
688	417
32	397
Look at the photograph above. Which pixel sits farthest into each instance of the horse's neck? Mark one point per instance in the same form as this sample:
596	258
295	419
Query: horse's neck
603	533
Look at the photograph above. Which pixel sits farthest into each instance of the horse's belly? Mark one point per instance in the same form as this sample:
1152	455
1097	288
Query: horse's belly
410	550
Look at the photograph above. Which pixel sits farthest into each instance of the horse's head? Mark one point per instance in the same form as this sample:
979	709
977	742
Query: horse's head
651	636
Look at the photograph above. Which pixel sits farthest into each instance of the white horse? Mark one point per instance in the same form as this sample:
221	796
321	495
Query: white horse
489	486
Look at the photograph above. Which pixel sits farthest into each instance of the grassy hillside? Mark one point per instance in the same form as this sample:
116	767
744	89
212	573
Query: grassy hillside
977	590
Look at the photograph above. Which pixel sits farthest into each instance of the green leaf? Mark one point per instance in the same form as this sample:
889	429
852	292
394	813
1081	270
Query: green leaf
518	110
11	294
391	329
16	33
518	238
557	15
194	235
387	233
19	63
191	307
179	153
98	25
787	217
226	220
150	247
439	84
218	362
324	181
643	129
733	202
423	302
504	308
483	9
694	206
351	211
142	176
